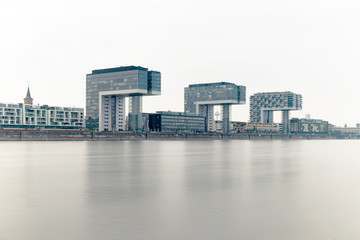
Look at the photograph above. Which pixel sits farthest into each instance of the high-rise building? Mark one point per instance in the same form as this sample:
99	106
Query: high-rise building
263	105
201	99
106	90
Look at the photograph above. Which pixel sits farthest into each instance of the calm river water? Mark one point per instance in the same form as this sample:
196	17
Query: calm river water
180	190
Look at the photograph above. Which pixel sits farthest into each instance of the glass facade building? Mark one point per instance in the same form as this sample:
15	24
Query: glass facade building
106	90
201	99
176	122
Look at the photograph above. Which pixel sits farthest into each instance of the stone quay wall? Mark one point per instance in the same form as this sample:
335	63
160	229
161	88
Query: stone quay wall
6	135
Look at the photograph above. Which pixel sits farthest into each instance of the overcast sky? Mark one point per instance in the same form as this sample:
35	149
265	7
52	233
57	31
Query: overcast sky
311	47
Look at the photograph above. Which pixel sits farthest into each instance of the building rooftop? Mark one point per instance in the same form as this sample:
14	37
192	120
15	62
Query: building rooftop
178	113
118	69
284	92
211	84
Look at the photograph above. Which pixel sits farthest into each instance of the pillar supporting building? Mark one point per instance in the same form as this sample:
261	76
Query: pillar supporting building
285	116
135	113
226	117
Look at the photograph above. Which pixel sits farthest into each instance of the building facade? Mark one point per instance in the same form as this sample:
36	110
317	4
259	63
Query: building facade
263	105
176	122
244	127
23	116
305	125
345	130
106	90
201	99
27	116
262	127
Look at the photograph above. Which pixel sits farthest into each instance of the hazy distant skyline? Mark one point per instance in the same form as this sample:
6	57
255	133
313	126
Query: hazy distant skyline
307	47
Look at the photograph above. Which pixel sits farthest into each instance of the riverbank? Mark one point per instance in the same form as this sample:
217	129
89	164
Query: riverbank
120	136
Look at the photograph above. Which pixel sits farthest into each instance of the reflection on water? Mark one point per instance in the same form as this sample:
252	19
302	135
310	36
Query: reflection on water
180	190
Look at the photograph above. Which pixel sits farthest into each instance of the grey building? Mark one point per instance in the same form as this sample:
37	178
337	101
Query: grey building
201	99
305	125
176	122
106	90
263	105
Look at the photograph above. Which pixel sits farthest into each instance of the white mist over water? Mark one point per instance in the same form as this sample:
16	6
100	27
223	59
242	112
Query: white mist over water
180	190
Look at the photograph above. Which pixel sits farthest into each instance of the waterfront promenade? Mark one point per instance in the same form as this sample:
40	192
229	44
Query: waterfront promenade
119	136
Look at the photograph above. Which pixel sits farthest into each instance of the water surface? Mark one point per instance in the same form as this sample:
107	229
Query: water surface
180	190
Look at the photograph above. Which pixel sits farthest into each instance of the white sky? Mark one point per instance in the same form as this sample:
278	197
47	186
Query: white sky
311	47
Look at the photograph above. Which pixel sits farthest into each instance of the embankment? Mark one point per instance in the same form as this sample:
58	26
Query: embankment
120	136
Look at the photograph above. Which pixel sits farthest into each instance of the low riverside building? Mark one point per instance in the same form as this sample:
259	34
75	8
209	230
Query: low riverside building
239	127
305	125
244	127
176	122
28	116
262	127
346	130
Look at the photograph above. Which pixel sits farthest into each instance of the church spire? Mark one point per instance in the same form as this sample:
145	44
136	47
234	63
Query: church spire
28	99
28	93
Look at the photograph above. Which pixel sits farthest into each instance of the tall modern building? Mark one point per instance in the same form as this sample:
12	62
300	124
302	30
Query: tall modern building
201	99
263	105
106	90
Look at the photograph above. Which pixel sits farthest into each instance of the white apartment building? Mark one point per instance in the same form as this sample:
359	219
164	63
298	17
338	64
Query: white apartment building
28	116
